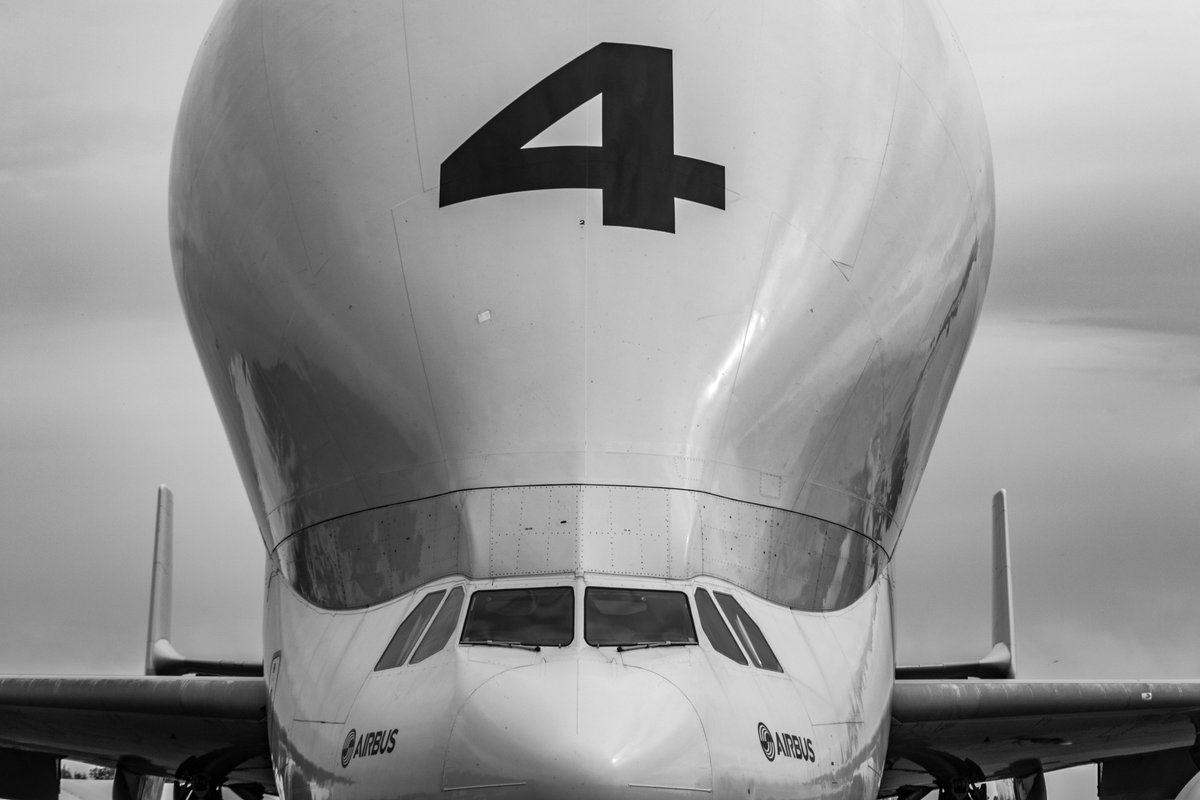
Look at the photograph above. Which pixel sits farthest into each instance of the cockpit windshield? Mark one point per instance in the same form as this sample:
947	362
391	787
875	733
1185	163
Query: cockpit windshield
541	616
636	617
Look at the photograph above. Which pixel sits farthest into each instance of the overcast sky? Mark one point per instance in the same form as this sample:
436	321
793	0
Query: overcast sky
1081	394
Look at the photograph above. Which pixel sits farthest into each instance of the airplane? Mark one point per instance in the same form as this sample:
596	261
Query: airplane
581	450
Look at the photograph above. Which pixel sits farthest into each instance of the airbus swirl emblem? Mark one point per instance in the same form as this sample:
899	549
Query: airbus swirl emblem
788	745
348	748
765	739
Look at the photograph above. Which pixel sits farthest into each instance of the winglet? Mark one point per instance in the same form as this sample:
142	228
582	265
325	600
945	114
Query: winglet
1002	611
158	633
161	656
1000	662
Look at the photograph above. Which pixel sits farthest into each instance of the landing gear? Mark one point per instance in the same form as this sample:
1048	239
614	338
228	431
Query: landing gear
962	789
197	787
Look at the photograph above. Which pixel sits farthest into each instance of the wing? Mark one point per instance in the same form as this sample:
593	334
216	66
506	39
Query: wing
981	730
173	726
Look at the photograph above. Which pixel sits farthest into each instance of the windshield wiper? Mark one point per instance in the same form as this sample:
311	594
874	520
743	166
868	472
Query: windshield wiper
647	645
536	648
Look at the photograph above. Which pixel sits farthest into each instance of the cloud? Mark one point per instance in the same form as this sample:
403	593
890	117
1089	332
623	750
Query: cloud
1094	431
1098	187
97	413
1079	394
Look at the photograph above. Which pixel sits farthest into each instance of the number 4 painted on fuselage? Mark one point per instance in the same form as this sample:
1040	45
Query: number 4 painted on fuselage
635	167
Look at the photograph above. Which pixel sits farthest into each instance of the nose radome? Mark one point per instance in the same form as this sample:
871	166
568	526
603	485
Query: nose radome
578	729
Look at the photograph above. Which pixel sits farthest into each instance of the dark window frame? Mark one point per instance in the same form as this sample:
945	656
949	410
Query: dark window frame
649	638
749	635
448	616
477	595
719	636
399	647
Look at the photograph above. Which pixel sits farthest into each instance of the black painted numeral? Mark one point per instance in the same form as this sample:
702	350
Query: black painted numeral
635	167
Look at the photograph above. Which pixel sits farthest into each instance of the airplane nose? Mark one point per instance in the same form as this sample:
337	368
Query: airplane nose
578	729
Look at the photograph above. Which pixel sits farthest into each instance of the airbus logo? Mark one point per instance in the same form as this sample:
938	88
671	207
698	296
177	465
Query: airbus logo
784	744
372	743
764	740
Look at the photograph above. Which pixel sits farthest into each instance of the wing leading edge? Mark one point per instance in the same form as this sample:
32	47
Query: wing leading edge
188	728
980	730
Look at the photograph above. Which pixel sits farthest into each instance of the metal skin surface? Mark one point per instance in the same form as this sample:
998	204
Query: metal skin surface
580	721
560	386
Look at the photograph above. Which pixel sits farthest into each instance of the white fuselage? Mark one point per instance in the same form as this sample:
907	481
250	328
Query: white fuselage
579	720
621	298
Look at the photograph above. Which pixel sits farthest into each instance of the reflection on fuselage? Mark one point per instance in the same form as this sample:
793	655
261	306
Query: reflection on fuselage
374	556
658	705
703	359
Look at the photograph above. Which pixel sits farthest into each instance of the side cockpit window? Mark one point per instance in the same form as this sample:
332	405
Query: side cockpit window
749	634
636	618
715	628
409	632
441	628
532	617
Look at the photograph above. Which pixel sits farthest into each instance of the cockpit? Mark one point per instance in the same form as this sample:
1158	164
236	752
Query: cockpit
534	618
630	618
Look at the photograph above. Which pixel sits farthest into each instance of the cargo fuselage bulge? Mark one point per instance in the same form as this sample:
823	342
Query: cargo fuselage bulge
580	361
